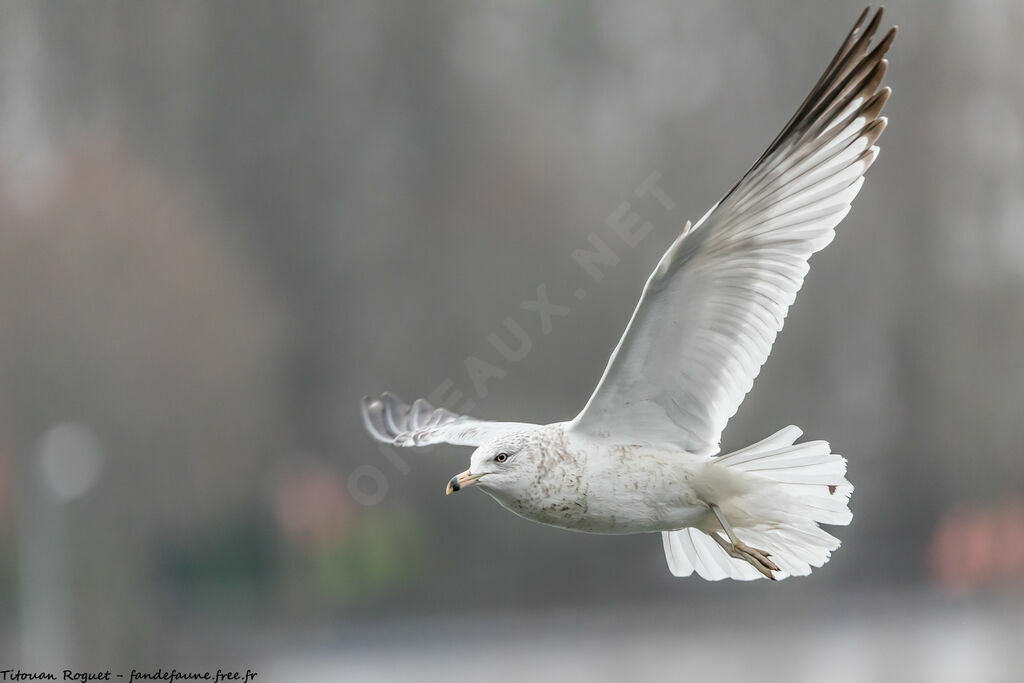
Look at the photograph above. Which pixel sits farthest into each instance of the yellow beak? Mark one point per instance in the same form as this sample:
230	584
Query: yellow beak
460	481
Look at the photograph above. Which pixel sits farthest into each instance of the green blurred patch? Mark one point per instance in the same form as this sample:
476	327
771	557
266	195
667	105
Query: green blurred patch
232	563
242	562
377	554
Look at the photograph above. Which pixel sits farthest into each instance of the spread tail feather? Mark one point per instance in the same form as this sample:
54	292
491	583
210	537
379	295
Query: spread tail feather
805	485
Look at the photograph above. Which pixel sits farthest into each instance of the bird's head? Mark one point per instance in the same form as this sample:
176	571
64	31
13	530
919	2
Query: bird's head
506	464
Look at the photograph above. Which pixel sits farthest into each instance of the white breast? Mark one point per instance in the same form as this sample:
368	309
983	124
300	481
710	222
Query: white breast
614	490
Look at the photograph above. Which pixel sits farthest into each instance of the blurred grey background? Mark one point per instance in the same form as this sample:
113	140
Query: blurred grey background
221	224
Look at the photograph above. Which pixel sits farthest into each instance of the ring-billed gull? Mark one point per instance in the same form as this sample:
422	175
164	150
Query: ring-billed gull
641	455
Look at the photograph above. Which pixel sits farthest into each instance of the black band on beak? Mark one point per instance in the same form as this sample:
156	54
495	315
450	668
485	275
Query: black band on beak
461	481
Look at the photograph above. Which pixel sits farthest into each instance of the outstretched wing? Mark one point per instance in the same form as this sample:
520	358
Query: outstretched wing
711	310
392	421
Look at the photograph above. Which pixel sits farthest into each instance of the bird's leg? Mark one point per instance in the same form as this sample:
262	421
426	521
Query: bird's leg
760	559
725	525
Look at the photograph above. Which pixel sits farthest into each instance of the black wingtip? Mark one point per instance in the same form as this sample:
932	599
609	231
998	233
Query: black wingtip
876	20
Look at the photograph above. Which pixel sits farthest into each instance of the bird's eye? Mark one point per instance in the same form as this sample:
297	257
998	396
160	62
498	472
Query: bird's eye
501	457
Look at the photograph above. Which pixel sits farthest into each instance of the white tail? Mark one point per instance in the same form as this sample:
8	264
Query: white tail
805	485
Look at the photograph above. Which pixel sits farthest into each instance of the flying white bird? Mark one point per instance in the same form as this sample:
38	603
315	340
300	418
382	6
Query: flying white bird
641	455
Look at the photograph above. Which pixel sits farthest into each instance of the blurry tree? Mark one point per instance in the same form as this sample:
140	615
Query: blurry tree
126	311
